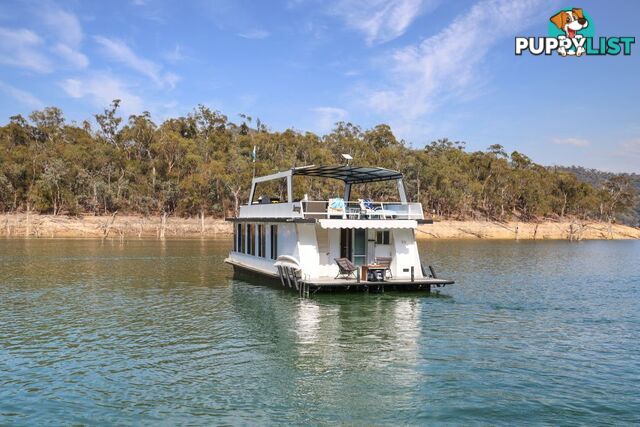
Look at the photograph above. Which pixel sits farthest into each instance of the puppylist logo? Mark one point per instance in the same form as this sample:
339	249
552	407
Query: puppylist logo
571	34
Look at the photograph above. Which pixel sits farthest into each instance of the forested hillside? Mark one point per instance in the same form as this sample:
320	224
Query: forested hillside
201	165
600	179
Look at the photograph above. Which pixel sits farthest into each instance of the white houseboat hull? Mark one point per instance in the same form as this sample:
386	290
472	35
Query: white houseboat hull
312	248
332	244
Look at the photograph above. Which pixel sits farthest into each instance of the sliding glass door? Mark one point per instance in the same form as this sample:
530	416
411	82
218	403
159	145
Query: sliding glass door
359	246
353	245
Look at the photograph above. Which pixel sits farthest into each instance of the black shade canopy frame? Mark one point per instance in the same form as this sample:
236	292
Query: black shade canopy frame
349	174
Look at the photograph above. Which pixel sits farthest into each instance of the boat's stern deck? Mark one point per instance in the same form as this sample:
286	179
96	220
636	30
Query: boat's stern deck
425	283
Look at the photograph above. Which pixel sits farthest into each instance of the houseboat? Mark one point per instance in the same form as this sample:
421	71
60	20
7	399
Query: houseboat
335	244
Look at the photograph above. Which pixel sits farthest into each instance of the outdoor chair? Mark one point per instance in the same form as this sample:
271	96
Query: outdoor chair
367	208
370	210
336	207
346	268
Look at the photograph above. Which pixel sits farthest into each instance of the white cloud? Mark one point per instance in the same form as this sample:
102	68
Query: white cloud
379	20
622	157
24	48
326	117
174	55
629	149
445	65
120	52
65	25
20	48
576	142
101	89
171	79
22	96
255	34
73	57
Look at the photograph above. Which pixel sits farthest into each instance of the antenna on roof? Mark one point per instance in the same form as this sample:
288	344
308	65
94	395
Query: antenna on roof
347	157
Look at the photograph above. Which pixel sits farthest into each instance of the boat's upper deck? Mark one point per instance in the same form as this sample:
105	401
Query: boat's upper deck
334	209
265	206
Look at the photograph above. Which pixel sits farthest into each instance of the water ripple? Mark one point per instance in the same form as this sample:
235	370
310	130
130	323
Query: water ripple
145	332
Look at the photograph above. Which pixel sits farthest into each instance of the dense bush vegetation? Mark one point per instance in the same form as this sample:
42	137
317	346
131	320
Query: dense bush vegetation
599	179
201	164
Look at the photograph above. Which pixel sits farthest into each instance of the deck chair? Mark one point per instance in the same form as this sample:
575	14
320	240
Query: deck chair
336	207
370	210
386	263
367	208
346	267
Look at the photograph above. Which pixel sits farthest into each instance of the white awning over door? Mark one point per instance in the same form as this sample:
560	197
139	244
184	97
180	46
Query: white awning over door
368	223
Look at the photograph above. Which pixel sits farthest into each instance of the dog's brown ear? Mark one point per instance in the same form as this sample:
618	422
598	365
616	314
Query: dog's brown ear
559	19
578	12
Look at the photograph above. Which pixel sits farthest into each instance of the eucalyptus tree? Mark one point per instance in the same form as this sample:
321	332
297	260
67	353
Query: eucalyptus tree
202	164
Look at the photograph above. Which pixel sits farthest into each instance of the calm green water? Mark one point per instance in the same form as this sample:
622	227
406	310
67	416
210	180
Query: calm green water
143	332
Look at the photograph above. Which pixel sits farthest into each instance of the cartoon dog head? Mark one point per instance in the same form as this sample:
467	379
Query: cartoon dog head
570	21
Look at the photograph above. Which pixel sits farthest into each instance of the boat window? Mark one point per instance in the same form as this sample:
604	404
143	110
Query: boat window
268	192
237	239
382	237
251	239
274	241
261	241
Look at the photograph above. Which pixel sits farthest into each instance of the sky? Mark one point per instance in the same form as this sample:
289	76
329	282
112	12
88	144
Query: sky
429	68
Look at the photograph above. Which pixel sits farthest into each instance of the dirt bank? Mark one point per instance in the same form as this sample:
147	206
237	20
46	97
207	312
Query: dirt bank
562	230
112	227
124	226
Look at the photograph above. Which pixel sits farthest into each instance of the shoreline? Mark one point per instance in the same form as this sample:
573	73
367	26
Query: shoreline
513	230
133	226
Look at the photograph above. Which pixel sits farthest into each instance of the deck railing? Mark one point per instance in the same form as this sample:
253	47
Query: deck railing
320	209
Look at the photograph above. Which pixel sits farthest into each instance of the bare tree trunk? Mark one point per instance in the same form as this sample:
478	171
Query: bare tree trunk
119	187
95	199
571	231
202	221
163	224
236	201
28	230
107	228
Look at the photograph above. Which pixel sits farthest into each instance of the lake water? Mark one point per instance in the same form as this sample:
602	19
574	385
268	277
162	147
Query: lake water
143	332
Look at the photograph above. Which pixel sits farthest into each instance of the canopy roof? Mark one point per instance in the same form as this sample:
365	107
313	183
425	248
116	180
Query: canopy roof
349	174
